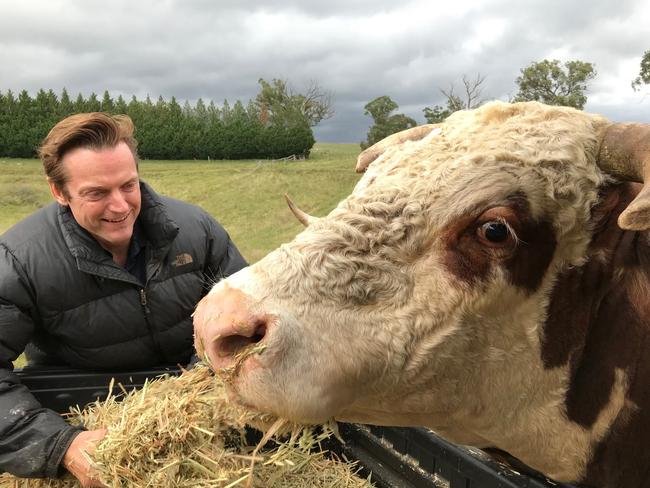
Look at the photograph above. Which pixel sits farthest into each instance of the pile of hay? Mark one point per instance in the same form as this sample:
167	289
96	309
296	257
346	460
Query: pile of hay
182	432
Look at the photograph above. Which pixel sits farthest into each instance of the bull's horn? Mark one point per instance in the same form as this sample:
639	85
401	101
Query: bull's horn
304	218
625	154
373	152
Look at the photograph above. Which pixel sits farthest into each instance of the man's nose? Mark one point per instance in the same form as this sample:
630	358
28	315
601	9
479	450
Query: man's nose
117	202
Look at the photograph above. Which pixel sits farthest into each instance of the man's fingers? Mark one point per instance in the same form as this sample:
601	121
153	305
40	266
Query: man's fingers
75	459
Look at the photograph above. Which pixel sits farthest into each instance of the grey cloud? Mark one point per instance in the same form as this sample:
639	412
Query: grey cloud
357	49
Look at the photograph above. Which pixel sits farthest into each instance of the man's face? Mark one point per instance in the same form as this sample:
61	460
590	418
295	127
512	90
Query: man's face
103	193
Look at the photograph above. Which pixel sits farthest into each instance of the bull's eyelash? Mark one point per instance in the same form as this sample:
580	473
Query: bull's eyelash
511	231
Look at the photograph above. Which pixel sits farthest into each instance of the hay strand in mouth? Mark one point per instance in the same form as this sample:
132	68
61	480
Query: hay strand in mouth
230	373
182	432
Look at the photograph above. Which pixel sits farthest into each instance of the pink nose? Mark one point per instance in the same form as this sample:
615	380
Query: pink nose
224	326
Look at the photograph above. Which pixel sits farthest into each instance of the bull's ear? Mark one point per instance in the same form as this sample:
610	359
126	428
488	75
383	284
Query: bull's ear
625	153
373	152
637	214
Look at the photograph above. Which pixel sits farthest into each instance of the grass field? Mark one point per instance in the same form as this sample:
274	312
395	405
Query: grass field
245	196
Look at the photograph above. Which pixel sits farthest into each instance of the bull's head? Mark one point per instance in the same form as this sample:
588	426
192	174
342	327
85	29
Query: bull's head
425	297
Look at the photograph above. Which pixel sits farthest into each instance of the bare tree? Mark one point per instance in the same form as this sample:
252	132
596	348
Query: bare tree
471	98
317	103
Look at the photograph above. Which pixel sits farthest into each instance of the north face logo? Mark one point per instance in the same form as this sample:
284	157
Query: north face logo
182	259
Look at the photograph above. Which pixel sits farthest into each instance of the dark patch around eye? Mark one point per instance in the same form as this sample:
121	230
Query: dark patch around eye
535	247
534	252
463	256
471	261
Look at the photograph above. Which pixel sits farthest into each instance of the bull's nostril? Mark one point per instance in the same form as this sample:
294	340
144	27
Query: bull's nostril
229	346
259	334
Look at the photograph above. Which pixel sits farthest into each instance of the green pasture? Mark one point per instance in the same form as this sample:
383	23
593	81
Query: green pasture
245	196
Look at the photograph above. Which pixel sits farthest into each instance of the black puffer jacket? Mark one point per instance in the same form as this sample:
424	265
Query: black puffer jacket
61	290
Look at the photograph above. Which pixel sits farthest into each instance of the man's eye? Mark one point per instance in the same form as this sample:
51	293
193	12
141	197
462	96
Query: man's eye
95	195
130	186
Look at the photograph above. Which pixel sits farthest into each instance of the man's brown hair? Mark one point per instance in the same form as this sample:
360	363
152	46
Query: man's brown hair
95	130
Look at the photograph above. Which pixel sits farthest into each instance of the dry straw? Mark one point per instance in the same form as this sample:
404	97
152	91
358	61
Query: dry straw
183	432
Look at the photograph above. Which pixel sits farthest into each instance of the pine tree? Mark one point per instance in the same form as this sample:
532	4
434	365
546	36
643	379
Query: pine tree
120	105
107	104
4	128
8	123
79	105
214	133
93	104
44	114
66	106
174	127
23	143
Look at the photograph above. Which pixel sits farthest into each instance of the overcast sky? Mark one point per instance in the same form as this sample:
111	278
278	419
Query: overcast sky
356	49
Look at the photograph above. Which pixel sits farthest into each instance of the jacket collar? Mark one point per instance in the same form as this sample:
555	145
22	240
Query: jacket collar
159	228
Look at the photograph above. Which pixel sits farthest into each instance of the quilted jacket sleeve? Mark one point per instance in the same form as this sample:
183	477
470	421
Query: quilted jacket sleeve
33	439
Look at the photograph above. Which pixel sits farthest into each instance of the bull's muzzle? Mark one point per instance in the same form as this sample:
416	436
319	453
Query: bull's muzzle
225	328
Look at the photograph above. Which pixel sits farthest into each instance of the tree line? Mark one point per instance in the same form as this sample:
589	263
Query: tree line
277	124
546	81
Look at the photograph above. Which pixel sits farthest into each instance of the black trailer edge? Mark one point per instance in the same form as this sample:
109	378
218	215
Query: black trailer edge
394	457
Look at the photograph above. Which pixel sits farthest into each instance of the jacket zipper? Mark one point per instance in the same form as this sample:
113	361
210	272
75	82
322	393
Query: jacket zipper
146	311
143	302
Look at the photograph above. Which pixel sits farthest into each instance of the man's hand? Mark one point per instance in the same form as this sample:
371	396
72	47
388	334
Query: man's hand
75	461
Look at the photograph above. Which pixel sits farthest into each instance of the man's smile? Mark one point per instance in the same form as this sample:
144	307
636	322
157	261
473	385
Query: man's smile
119	220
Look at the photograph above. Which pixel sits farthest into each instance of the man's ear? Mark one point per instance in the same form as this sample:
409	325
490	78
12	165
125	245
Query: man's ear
58	195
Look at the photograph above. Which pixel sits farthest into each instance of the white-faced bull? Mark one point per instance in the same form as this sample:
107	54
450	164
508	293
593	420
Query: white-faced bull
488	278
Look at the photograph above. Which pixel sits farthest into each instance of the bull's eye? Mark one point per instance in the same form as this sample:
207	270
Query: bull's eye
495	231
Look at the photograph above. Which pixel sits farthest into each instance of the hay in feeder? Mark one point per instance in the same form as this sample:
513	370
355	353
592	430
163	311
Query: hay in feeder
182	431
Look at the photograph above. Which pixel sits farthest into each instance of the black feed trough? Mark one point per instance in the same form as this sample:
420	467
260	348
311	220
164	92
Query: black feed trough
396	457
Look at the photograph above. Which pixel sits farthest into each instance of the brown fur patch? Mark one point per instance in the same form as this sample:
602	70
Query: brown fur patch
528	265
598	323
463	256
526	259
567	320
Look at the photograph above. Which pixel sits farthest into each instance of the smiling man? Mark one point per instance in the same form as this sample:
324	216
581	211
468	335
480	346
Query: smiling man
107	277
106	190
